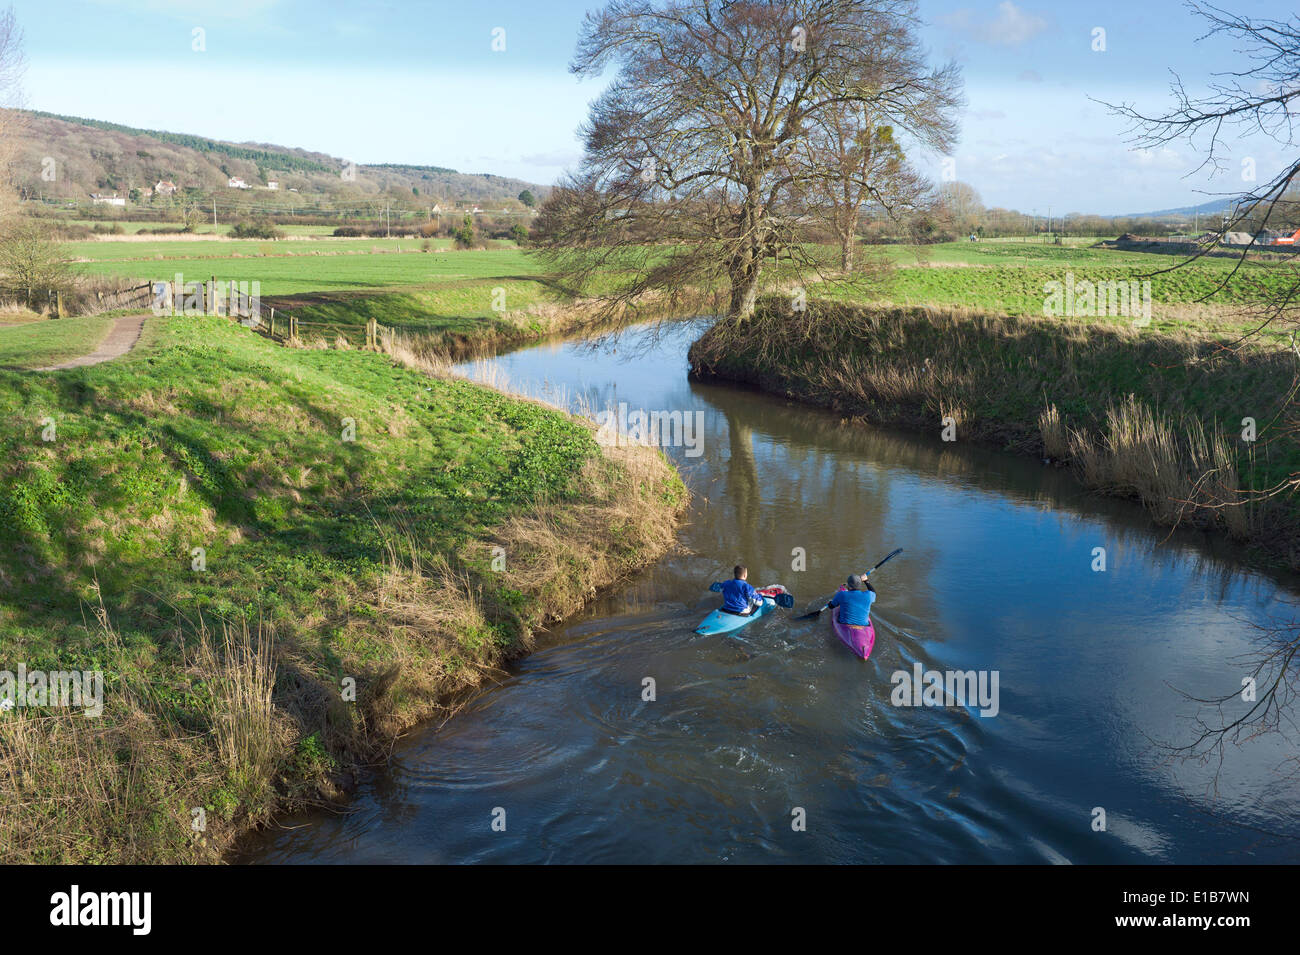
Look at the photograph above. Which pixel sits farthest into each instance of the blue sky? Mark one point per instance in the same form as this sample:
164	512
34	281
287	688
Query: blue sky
419	82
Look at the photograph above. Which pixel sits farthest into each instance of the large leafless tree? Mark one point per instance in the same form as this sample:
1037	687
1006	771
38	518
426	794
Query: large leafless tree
701	135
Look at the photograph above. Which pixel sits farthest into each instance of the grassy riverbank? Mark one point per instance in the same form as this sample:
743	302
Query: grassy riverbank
1140	413
278	558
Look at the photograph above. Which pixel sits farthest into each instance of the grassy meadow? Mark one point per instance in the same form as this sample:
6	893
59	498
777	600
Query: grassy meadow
441	288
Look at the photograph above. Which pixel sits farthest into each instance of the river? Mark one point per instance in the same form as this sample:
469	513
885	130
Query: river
777	745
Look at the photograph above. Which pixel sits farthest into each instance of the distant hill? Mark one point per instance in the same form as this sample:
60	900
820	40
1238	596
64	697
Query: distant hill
1213	207
93	156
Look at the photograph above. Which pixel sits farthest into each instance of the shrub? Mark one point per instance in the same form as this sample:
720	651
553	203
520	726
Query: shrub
467	235
256	229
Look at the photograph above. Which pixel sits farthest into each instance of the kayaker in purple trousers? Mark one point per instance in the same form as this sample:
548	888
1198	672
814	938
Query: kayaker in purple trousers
855	601
738	596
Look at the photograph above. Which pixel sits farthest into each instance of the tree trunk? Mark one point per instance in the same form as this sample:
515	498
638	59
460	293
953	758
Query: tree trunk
848	228
744	293
743	271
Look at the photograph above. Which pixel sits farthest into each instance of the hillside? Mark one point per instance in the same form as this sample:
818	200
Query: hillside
91	156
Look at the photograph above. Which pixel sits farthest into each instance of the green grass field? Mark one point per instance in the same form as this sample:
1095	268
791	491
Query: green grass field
222	228
149	251
300	272
445	291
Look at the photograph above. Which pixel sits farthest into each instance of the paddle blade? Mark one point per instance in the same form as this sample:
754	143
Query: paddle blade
888	557
810	614
784	600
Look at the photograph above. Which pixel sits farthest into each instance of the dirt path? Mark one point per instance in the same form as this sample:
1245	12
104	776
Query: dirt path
121	338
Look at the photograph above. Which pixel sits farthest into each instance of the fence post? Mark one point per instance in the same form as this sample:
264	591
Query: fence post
272	323
59	299
212	296
371	333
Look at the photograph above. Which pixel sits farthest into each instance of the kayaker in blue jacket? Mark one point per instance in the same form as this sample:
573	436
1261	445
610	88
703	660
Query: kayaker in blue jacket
855	602
738	596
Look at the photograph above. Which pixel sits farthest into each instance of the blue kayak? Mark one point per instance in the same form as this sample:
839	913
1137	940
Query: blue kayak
719	622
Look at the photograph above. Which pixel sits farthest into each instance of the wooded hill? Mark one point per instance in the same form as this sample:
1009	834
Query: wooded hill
92	156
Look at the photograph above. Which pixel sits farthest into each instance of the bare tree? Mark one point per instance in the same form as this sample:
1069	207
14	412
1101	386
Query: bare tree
692	148
192	215
851	164
30	261
12	66
961	206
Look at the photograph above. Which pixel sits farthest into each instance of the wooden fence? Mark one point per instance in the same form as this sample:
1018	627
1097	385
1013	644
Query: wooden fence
235	301
139	296
60	303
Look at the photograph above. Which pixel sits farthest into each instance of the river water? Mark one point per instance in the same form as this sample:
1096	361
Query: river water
776	744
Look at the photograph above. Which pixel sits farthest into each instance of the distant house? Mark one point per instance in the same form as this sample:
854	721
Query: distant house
165	187
102	200
475	211
272	185
237	183
436	210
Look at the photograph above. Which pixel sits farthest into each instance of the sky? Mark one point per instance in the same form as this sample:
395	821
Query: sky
420	82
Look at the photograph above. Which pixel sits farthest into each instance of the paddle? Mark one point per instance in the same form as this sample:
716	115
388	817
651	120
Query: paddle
815	613
782	598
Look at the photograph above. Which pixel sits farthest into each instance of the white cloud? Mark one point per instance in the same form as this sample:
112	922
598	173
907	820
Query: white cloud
1011	27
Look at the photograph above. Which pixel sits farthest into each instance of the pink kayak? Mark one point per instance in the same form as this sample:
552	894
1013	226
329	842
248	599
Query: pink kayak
858	639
